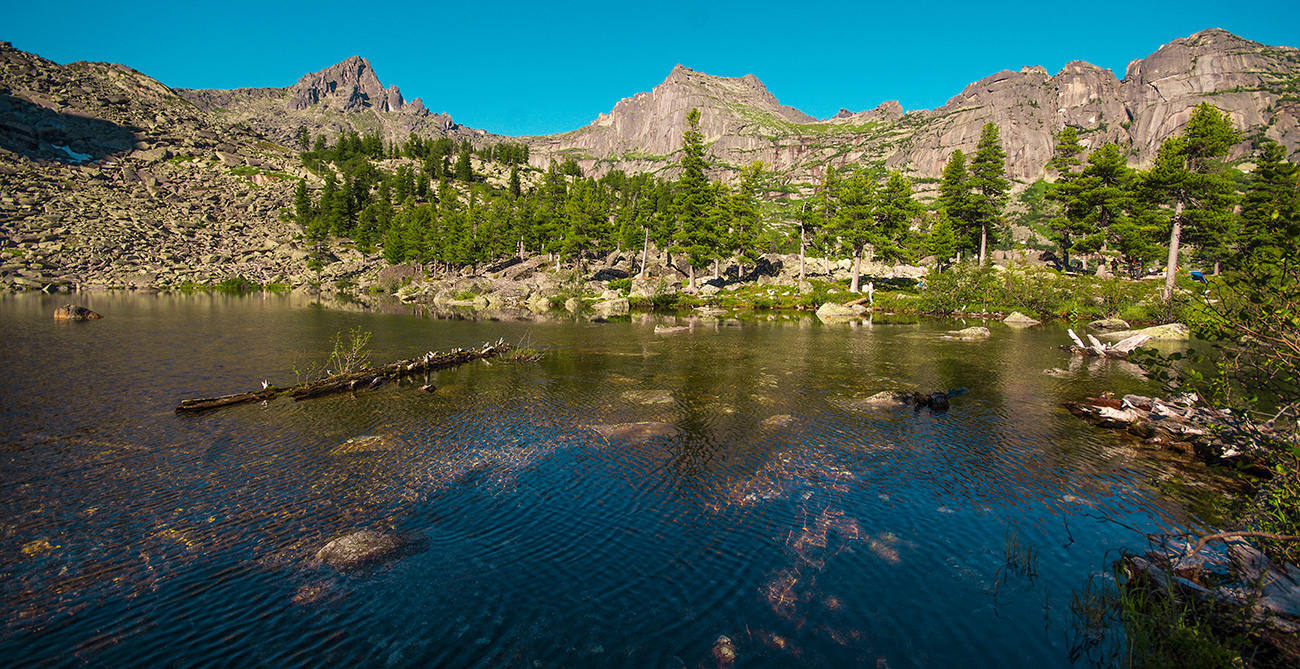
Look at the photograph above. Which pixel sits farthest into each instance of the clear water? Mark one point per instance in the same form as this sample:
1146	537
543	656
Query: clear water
778	510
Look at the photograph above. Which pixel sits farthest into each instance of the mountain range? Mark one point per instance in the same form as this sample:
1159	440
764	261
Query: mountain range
1258	85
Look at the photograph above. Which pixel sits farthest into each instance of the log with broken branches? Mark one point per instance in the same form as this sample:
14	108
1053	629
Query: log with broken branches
353	381
1097	349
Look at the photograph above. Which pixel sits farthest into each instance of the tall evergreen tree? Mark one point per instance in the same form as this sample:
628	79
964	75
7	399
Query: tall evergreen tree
1187	176
987	185
1270	210
955	201
896	210
692	201
855	225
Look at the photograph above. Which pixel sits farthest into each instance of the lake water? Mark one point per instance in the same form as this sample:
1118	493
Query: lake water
765	502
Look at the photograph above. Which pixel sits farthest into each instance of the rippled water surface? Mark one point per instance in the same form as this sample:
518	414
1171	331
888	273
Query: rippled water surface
624	502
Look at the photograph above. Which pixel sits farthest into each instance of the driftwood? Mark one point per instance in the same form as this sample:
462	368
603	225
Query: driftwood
1098	349
353	381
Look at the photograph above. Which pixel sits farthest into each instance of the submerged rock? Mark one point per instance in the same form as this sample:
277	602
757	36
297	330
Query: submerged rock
636	432
777	422
361	549
967	334
72	312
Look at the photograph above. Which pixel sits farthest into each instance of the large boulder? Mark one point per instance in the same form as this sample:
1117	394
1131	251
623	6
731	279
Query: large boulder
831	312
618	306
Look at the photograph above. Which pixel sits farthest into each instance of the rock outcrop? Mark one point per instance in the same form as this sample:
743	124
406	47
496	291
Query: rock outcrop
742	121
347	96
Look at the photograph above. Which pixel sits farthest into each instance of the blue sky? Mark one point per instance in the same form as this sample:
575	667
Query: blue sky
519	68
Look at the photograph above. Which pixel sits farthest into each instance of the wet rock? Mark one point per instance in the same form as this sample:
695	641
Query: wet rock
1167	332
832	312
968	334
619	306
72	312
649	396
1108	325
777	422
724	651
669	329
636	432
360	549
1017	319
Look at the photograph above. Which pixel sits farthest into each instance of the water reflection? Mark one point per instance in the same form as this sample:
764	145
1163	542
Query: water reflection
631	499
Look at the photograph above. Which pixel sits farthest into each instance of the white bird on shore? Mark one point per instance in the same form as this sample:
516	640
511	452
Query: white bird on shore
265	384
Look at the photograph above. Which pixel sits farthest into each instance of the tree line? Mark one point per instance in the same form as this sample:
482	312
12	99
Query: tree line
437	210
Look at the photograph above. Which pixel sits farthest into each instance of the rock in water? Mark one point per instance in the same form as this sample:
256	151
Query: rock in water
72	312
636	432
1108	325
1017	319
360	549
977	332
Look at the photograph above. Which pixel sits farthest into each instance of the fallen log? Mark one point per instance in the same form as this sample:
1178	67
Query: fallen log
1095	348
352	381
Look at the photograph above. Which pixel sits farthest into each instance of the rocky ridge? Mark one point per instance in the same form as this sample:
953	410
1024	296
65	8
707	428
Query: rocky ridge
109	178
347	96
1258	85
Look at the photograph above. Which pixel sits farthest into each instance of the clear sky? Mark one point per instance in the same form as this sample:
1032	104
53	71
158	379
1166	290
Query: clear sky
519	68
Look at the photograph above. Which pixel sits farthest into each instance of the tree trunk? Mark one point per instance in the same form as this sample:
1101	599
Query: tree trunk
802	260
984	235
645	252
716	265
1171	266
857	269
691	285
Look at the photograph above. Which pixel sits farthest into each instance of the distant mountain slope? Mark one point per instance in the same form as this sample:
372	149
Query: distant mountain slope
345	96
1258	85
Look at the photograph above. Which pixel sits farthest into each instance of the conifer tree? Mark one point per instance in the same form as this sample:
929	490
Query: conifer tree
692	201
1187	177
855	226
955	200
987	187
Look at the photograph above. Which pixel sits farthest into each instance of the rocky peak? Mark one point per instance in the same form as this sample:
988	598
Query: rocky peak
350	86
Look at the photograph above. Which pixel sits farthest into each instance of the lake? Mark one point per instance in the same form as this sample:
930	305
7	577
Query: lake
625	501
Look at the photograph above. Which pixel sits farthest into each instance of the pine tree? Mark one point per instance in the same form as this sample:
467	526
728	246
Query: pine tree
855	224
464	170
1186	176
692	201
1270	210
1093	200
955	201
304	138
302	204
988	188
896	209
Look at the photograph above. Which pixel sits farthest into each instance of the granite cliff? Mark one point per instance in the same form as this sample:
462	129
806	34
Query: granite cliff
1258	85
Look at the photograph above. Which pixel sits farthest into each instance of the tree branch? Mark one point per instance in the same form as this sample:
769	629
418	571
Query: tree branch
1229	535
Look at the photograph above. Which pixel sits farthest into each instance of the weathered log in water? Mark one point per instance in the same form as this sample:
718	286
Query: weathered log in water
353	381
1120	350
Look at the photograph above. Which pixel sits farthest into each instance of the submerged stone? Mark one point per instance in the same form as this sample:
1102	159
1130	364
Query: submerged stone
360	549
636	432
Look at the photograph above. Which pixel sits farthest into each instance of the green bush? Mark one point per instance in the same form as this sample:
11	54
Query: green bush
623	285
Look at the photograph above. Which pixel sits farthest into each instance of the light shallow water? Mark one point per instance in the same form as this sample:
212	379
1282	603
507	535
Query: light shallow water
780	511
